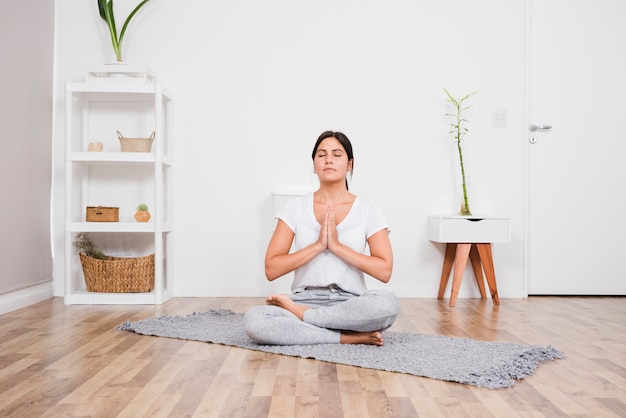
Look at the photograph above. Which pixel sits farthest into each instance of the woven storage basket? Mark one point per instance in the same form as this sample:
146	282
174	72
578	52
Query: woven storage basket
102	214
118	274
135	144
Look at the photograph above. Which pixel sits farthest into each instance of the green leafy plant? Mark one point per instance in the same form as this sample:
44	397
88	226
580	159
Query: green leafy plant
83	243
459	130
105	7
142	206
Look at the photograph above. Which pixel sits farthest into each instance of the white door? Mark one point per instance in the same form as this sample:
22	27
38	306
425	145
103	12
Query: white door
577	169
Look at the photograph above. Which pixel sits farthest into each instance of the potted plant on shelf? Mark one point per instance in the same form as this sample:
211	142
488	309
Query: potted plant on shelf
142	214
459	130
105	8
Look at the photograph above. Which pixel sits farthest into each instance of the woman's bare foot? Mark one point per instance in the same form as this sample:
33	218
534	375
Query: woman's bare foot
285	302
371	338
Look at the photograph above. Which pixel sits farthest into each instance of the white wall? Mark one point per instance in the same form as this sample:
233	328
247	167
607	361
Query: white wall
255	83
25	151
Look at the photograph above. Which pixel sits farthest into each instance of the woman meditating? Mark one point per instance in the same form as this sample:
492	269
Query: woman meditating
330	229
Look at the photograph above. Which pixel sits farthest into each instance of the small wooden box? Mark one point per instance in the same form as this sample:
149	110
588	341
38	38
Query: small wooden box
102	214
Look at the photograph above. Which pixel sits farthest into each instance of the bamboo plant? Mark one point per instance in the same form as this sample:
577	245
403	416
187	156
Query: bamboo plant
458	131
105	7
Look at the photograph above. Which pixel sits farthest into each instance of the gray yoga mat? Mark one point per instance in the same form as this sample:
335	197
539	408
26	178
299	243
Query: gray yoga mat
483	364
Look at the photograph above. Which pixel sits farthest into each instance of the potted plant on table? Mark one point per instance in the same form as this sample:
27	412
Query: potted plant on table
459	130
105	8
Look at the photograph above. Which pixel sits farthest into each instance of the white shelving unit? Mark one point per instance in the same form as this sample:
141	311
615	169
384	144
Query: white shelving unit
133	101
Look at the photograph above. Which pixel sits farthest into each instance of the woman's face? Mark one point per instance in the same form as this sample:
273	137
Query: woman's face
331	161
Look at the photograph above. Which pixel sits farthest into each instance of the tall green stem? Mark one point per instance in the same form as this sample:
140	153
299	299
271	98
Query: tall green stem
465	209
458	132
110	19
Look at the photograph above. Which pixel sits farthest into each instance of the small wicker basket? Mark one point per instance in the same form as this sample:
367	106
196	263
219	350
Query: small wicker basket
135	144
118	274
102	214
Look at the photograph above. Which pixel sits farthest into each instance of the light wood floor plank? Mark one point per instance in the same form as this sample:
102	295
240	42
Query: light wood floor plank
69	361
282	406
216	395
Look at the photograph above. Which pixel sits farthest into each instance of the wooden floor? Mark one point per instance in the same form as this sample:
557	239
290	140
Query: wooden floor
68	361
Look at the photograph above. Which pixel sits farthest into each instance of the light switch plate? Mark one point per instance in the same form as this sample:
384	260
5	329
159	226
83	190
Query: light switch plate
499	118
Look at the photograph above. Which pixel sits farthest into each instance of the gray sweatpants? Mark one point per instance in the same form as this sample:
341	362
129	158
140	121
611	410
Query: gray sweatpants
333	310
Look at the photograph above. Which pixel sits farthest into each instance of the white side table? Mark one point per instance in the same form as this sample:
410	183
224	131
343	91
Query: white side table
468	237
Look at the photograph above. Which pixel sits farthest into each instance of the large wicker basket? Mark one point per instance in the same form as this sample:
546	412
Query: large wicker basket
118	274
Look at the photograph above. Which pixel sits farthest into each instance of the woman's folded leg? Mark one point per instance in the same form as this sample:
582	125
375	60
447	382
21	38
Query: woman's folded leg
375	310
274	325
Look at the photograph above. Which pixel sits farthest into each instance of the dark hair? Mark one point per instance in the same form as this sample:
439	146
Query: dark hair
343	140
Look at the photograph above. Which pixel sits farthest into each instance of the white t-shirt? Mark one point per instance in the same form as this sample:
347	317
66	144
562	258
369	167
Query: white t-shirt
363	221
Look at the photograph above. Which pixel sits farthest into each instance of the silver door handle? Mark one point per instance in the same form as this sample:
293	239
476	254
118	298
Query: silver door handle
534	128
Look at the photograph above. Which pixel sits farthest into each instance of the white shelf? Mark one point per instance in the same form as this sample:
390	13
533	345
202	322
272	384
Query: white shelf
114	90
131	158
83	297
119	227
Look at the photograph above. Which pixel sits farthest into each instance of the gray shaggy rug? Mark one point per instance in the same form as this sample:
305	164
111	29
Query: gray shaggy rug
484	364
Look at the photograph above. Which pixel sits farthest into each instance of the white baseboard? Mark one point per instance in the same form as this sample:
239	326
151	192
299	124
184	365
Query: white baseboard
429	292
25	297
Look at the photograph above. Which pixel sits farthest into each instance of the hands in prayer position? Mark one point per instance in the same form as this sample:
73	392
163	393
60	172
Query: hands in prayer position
328	232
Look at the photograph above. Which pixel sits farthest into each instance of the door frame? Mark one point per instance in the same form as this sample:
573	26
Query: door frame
526	157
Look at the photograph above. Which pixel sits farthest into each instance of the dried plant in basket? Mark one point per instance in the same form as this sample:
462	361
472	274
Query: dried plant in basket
85	245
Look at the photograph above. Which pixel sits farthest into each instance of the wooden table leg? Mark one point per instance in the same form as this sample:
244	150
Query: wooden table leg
448	260
460	261
478	270
484	250
481	259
